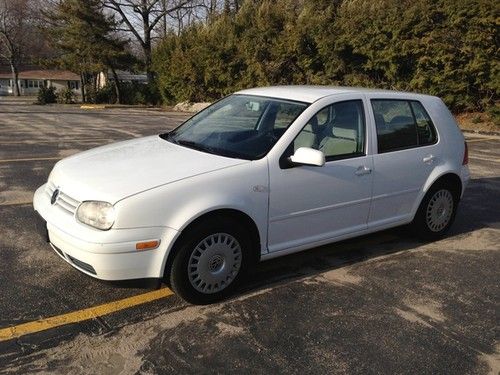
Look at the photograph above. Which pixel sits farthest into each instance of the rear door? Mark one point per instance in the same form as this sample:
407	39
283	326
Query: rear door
407	152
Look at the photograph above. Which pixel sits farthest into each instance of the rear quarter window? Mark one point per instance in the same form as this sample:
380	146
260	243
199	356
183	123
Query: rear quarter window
425	128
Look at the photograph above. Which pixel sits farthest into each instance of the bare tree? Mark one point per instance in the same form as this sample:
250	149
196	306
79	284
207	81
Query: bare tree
142	17
18	34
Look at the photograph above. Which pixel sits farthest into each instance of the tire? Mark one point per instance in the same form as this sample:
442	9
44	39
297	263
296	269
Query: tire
436	212
210	261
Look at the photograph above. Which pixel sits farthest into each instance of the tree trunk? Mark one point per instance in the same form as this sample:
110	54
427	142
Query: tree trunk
15	77
117	86
82	83
146	45
148	61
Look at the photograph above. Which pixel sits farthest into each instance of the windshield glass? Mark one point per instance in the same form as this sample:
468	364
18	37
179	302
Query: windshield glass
239	126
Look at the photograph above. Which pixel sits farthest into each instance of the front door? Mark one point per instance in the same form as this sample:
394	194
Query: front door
309	204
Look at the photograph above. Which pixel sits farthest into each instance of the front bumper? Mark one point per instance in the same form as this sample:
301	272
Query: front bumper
106	255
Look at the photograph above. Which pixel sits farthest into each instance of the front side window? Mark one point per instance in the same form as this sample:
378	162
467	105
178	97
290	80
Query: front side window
240	126
402	124
338	130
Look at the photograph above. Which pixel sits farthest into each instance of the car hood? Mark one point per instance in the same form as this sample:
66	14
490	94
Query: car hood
113	172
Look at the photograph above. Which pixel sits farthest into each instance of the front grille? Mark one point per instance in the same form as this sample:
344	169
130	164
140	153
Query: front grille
63	200
84	266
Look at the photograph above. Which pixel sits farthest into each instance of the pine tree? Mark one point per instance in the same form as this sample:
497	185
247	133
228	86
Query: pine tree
87	41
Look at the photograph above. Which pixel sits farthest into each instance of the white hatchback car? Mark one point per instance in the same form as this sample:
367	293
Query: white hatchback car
262	173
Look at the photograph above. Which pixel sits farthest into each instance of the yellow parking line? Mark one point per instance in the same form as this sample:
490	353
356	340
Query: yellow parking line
55	141
81	315
29	159
15	203
92	106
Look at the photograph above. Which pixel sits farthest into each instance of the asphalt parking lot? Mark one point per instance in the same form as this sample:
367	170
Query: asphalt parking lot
383	303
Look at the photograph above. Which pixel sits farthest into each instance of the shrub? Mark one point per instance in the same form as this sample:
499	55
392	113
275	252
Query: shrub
106	94
46	95
131	93
90	94
447	48
66	96
494	113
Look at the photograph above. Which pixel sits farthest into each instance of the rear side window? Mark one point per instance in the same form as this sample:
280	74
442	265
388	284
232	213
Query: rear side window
402	124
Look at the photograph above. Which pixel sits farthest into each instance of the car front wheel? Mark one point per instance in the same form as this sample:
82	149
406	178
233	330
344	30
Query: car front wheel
209	262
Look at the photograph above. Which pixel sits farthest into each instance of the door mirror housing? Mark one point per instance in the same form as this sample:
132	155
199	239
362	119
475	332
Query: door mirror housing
308	156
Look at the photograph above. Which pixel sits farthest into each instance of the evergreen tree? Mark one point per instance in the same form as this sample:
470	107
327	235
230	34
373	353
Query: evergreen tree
448	48
85	36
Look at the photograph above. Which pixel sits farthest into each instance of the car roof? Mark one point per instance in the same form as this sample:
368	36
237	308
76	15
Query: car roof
310	94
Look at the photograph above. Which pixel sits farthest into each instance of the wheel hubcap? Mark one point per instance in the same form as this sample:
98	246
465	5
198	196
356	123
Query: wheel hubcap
214	263
439	210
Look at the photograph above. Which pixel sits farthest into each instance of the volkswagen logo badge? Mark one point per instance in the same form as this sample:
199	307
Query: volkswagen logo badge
55	194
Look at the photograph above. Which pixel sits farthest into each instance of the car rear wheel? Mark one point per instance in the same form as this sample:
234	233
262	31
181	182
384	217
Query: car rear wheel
210	260
436	212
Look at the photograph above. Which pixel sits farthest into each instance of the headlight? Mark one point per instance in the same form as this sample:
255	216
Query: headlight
100	215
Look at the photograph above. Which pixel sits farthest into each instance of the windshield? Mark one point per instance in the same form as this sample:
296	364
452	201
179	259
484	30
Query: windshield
239	126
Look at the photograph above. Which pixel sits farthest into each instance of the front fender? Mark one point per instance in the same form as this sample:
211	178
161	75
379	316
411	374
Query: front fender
242	187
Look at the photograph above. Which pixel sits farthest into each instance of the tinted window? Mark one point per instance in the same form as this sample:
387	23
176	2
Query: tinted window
395	125
425	128
338	130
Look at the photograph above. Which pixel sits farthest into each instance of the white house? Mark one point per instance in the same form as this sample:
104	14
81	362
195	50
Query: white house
31	80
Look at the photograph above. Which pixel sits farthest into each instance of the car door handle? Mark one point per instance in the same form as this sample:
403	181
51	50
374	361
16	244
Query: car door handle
429	159
362	170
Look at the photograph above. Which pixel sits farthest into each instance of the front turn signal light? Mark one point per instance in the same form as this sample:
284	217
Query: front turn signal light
147	245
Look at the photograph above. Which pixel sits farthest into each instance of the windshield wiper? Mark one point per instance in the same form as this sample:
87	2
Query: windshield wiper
195	146
200	147
168	136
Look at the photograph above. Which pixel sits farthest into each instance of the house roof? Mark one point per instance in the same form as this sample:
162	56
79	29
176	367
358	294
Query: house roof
124	75
64	75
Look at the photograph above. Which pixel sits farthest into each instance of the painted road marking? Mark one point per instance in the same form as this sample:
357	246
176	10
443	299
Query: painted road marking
15	203
92	106
59	140
30	159
479	140
81	315
484	159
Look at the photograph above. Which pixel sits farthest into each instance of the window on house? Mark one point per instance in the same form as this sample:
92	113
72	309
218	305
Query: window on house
34	84
74	85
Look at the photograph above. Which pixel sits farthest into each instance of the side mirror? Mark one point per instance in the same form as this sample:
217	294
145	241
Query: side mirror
308	156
